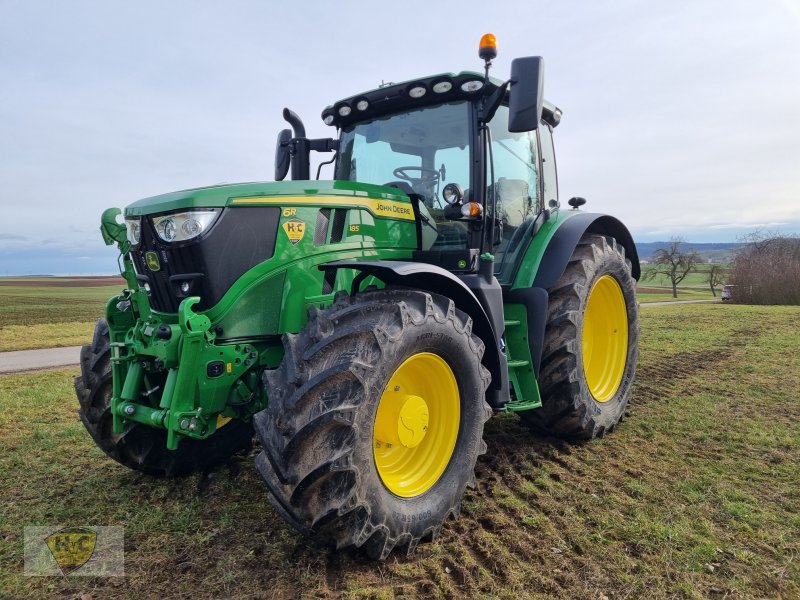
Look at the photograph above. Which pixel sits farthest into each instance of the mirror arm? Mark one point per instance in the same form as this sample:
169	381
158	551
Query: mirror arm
324	145
491	103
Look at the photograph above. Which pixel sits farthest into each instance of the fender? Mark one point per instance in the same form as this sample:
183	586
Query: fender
558	252
431	278
555	258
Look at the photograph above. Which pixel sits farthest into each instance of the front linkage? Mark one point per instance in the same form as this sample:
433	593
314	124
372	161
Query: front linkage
174	376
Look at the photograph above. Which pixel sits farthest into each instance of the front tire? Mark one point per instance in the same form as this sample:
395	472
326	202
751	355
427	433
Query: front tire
140	447
375	420
591	344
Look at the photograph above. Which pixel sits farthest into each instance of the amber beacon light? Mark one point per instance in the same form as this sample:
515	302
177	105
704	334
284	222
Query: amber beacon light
488	47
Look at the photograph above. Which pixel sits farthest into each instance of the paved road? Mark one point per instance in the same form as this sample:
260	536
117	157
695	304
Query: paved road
29	360
680	302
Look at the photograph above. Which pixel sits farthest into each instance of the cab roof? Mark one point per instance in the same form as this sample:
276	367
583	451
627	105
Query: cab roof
417	93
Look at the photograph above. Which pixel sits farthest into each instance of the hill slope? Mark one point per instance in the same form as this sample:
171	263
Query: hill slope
722	252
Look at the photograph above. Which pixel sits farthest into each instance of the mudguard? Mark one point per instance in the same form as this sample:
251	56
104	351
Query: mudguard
431	278
559	250
535	297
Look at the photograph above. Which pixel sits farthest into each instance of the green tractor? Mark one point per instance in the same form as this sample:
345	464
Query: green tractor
366	327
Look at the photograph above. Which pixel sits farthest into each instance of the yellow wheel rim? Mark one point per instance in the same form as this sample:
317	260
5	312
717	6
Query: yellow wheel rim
605	338
416	425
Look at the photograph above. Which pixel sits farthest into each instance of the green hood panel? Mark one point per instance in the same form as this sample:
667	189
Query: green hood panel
221	195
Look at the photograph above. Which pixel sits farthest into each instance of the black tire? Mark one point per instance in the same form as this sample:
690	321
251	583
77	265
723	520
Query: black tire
569	408
317	431
140	447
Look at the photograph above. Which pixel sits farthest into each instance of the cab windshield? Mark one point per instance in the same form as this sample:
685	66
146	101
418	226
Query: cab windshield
419	151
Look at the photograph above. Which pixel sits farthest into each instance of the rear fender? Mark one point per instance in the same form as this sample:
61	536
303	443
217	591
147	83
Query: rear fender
558	251
553	260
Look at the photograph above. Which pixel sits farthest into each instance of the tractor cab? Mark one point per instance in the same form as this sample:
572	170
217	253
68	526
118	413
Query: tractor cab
467	149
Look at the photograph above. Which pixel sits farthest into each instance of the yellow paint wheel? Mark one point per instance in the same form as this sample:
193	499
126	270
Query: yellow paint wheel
590	344
605	338
416	425
375	420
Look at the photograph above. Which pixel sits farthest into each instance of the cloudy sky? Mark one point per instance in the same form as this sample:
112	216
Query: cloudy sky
681	117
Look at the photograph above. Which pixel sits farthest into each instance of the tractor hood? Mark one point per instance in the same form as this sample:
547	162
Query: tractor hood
225	195
253	231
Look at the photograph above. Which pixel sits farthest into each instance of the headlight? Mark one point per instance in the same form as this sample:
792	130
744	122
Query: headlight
452	193
179	227
134	227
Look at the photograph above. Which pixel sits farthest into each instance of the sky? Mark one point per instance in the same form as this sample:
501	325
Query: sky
681	118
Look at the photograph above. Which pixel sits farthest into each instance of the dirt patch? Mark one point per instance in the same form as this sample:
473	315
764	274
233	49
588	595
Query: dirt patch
654	381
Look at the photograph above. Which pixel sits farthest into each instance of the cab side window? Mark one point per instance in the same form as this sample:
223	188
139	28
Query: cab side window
516	172
517	190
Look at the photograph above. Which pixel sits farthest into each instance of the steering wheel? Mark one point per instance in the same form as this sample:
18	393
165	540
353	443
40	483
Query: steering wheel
427	177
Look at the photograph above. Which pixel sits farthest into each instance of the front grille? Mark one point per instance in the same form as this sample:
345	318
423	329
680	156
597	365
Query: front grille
241	238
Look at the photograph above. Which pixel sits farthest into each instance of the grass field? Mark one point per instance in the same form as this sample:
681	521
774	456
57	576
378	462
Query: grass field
51	312
694	279
695	495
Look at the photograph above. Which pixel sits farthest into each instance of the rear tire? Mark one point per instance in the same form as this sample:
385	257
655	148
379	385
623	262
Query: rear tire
589	359
375	420
140	447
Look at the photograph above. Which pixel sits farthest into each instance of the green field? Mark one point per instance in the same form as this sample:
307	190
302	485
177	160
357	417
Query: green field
692	280
51	312
695	495
659	288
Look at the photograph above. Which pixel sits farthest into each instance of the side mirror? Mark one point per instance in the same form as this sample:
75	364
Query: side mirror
526	95
282	156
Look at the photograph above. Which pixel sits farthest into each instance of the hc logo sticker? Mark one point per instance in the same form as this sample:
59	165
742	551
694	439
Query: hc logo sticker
294	229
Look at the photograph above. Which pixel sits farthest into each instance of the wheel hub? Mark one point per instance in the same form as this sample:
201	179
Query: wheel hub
402	419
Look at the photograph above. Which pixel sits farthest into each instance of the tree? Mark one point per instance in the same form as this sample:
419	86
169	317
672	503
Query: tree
673	262
766	270
715	276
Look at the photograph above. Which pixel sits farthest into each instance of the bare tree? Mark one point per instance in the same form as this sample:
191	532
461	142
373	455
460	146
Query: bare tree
715	276
767	270
674	262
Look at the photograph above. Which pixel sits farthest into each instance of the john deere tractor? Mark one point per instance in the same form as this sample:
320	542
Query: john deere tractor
366	327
